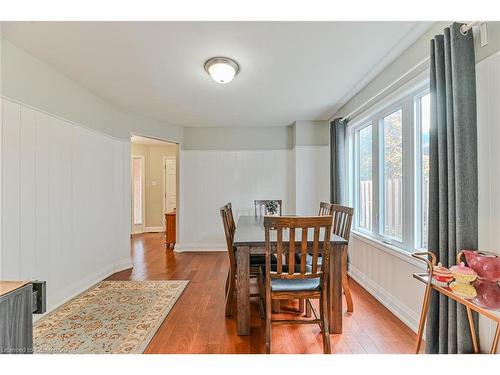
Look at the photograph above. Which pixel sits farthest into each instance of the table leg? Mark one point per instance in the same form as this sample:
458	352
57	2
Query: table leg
472	330
335	290
243	290
423	317
495	340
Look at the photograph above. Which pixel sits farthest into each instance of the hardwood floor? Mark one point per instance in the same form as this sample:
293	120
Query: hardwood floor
197	323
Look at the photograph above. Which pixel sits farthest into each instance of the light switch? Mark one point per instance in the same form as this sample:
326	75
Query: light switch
153	183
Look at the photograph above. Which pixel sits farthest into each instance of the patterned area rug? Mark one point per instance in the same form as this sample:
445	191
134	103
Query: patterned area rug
110	317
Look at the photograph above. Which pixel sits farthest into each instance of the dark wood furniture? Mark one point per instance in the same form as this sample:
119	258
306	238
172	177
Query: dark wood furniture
342	220
256	261
260	206
426	278
250	239
18	301
170	229
297	280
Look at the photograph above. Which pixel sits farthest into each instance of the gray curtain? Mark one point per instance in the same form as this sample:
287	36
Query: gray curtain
453	194
337	160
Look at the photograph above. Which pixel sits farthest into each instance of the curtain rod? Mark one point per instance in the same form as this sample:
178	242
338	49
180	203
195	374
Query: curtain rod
466	27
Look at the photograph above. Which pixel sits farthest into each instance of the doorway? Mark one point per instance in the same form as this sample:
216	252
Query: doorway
154	175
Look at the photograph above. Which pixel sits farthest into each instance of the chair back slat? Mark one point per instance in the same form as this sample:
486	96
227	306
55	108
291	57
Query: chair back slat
315	251
274	229
279	250
303	251
290	257
261	204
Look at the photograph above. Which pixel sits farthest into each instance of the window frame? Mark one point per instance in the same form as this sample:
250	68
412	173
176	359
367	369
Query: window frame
403	98
418	167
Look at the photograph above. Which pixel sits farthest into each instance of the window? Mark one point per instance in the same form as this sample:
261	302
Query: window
393	175
137	186
389	168
365	178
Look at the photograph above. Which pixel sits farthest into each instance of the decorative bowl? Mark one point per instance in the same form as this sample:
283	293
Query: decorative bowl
441	275
486	265
463	274
488	294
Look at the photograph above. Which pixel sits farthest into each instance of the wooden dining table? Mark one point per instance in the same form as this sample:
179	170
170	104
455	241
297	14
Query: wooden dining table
249	239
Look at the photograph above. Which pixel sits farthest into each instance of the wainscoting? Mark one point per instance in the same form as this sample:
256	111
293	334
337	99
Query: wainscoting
211	178
66	202
488	114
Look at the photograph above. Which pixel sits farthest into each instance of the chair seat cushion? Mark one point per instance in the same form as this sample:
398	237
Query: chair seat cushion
291	285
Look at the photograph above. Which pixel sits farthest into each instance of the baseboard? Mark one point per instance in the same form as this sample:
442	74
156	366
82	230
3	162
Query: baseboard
398	308
188	247
154	229
81	286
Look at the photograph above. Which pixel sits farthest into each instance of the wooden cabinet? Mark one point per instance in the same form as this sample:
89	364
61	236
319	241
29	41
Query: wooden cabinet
16	321
18	301
170	229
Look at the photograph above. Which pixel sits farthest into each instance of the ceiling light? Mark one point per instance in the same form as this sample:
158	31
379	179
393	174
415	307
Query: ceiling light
221	69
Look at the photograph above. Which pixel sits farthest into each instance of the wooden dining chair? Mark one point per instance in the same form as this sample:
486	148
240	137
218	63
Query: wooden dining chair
291	280
229	229
342	220
260	206
256	261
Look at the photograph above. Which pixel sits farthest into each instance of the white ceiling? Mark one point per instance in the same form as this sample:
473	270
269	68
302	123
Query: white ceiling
289	70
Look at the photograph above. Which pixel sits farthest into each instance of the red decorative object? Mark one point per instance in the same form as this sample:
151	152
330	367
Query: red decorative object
486	265
442	274
488	294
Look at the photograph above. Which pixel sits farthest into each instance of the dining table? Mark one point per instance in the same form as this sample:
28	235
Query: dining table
249	239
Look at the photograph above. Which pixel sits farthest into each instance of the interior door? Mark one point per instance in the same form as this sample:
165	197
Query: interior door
170	196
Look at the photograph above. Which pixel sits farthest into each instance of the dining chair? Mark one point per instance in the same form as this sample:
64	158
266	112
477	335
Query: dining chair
342	220
256	261
291	280
261	206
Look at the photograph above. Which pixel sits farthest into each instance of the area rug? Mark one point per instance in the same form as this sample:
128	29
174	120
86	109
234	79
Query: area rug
110	317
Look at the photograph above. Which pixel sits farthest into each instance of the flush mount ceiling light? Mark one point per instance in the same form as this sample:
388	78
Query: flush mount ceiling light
221	69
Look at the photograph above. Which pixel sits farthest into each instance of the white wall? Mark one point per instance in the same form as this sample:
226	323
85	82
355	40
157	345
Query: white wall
312	178
488	99
211	178
66	202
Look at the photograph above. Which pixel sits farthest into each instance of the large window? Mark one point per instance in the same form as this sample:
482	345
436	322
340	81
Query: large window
389	165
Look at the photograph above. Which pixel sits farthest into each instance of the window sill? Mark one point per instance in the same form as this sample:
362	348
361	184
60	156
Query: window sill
389	249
